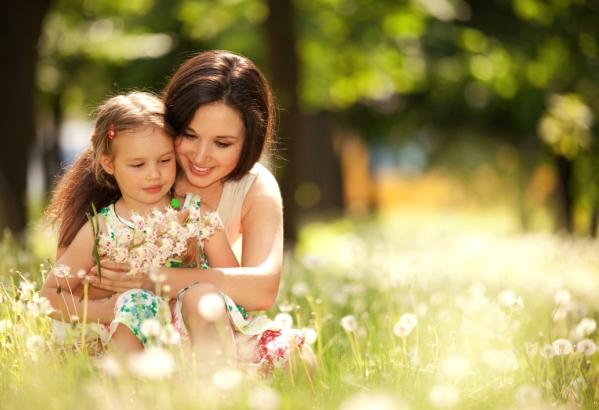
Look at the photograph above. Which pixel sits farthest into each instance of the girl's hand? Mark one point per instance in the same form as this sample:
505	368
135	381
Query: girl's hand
115	279
107	308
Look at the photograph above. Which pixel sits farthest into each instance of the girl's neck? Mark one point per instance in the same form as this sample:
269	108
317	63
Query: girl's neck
124	208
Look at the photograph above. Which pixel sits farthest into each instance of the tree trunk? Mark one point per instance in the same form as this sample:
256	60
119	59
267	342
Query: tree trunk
283	65
565	202
20	28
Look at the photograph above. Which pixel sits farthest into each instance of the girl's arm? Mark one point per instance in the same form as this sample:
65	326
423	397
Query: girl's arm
255	284
217	248
63	291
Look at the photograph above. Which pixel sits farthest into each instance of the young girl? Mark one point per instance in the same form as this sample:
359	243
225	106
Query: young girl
129	168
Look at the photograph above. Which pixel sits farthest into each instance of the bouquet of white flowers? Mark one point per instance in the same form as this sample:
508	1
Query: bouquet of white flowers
155	239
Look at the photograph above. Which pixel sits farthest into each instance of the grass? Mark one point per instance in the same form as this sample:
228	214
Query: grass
490	304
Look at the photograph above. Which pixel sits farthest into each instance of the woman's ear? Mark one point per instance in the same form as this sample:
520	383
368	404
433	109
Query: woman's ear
106	163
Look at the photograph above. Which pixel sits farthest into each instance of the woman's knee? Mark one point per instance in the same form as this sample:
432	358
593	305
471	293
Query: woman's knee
191	298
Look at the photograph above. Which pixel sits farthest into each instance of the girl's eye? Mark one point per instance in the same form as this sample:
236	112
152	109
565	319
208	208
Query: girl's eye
221	144
137	165
166	160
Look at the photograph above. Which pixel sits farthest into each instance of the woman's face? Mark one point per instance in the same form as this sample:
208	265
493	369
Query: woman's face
209	149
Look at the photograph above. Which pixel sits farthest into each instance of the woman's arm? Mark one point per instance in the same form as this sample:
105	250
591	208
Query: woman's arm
63	291
255	284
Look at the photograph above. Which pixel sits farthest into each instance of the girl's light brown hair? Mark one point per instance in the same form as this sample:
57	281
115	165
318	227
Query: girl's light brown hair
86	182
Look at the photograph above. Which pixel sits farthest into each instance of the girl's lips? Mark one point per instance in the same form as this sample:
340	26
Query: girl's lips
153	189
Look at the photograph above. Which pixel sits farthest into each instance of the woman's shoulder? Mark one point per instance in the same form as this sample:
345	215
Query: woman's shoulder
265	183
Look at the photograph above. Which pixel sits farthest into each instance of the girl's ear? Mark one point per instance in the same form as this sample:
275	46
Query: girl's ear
106	163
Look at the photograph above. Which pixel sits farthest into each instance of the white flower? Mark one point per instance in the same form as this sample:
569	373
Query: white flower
150	327
562	297
299	289
531	348
528	396
152	363
310	335
562	347
579	384
285	307
372	401
500	360
588	325
211	307
81	273
170	336
35	343
284	320
455	366
39	305
111	366
227	379
444	397
547	351
263	398
349	323
5	324
586	347
404	326
156	276
62	271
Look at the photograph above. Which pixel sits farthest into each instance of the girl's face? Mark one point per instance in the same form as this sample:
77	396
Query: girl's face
209	149
144	167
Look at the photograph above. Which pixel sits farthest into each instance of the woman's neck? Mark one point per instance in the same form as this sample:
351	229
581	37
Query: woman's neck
210	194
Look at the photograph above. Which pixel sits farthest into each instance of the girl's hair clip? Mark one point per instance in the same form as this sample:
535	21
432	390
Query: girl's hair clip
111	131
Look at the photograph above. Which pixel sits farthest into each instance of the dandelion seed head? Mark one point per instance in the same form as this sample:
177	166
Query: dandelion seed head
579	384
150	327
62	271
349	323
285	307
373	401
35	343
169	335
586	347
562	347
588	325
528	396
5	324
111	366
531	348
313	262
310	335
547	351
284	320
81	273
455	366
263	398
227	379
157	276
562	297
444	397
401	329
152	363
299	289
211	307
409	319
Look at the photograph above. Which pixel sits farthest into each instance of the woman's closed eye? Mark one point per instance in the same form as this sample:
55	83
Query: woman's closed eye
221	144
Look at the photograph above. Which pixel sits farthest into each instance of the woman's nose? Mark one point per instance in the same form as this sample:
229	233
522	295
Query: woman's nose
201	154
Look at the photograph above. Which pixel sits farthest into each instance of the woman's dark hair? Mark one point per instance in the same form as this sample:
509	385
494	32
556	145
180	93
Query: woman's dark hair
225	77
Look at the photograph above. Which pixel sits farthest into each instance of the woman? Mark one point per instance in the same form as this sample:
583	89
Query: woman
221	108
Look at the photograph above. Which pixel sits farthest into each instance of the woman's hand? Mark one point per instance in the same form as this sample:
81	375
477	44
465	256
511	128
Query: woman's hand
115	278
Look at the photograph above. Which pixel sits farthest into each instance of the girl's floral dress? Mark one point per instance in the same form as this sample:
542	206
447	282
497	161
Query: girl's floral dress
261	344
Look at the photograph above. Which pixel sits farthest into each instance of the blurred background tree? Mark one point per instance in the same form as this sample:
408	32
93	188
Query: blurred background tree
446	103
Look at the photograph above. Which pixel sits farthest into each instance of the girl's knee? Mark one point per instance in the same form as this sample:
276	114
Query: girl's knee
192	297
